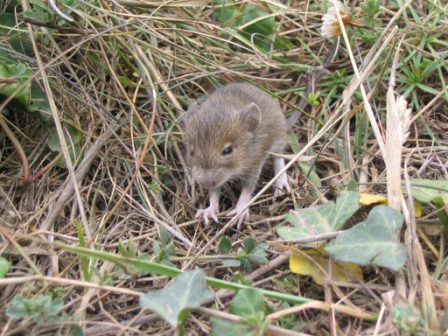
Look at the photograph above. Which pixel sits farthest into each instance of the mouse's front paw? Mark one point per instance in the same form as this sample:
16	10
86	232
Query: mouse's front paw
207	213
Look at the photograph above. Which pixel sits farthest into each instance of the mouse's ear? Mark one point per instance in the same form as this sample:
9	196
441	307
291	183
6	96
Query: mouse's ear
193	107
251	117
191	110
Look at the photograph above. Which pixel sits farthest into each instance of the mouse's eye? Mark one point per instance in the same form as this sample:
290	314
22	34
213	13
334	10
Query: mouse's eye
227	150
191	153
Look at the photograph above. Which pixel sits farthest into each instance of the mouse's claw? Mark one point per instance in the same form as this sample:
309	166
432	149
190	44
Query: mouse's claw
240	205
281	185
207	213
244	215
212	210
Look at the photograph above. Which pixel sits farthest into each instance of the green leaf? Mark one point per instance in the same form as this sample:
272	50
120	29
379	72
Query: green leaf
131	249
14	34
260	32
168	263
14	73
39	103
170	249
371	7
76	331
374	241
174	302
249	244
72	136
258	256
429	67
231	263
246	264
75	157
30	96
122	249
239	277
222	327
407	319
41	308
144	257
226	14
156	248
440	205
247	303
154	186
264	27
163	235
352	185
427	89
54	306
294	143
224	245
4	267
125	263
425	191
125	81
17	309
346	206
312	175
324	218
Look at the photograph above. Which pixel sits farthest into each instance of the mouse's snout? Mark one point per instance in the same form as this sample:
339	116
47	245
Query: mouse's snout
209	179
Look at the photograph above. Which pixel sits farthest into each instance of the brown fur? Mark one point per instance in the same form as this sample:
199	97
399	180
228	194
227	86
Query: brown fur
238	115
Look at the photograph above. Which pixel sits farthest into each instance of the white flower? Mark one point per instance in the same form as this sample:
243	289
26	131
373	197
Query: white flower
330	25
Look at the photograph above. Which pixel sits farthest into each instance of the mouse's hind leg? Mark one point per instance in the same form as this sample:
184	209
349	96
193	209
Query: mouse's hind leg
281	183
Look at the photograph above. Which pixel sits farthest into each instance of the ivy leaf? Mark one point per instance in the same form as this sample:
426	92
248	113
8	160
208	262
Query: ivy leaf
222	327
425	190
174	302
324	218
374	241
247	303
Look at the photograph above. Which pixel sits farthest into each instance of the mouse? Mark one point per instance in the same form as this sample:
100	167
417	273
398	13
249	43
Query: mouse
228	137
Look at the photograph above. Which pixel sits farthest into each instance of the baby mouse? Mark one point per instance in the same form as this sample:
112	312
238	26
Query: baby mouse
228	137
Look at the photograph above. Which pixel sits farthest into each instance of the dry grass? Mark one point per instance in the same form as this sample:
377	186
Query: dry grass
130	70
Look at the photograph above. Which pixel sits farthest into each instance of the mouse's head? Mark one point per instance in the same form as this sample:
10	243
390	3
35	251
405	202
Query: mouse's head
220	141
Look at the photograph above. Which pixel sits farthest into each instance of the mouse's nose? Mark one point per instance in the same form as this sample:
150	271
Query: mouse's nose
209	184
205	178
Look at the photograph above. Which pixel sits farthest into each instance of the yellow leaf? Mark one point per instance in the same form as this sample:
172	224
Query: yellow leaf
369	199
314	263
417	209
